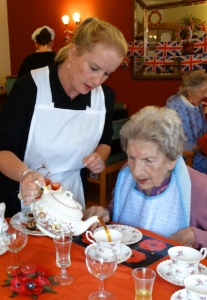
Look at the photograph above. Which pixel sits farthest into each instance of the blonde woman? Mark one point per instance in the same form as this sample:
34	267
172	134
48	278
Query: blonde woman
61	117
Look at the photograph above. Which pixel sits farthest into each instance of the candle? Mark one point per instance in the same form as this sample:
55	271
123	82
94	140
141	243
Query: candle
28	269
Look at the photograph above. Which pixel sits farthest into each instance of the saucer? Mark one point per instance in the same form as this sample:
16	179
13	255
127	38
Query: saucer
181	294
125	254
21	218
164	270
131	235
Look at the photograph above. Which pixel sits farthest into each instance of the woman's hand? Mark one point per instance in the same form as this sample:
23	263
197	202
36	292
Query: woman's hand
99	211
30	190
185	237
94	162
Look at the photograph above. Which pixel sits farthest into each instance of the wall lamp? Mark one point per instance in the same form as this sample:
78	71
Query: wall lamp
66	19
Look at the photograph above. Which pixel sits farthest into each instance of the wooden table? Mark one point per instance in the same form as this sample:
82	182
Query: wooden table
40	250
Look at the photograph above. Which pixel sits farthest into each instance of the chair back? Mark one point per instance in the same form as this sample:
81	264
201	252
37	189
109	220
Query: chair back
117	125
188	157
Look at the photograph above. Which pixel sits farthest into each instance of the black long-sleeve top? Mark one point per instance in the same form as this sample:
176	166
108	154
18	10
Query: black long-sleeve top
16	117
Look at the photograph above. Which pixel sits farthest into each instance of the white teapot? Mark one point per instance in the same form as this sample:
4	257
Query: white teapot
57	212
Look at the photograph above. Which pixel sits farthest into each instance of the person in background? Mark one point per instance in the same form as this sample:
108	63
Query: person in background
188	104
61	117
43	38
156	190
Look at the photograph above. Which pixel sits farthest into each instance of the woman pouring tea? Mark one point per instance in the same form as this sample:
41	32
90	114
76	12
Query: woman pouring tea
61	116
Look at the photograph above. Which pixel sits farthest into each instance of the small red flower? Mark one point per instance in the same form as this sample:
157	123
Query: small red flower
136	256
16	284
152	245
31	285
43	281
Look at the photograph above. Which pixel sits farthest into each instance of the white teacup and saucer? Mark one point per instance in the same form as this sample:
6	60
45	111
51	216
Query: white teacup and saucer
100	238
195	288
184	261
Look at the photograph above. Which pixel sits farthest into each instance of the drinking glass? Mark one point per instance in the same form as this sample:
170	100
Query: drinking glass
14	240
143	283
62	247
101	262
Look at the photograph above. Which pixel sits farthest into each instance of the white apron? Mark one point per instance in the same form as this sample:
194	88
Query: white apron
60	138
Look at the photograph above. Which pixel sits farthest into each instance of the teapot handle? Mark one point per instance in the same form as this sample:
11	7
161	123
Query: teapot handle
204	252
88	238
45	188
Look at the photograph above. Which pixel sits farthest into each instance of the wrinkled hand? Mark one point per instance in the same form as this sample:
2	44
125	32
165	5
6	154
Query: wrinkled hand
30	190
96	211
94	162
185	237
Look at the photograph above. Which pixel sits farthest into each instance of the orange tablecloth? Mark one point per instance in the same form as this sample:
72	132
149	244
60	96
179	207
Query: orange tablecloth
40	250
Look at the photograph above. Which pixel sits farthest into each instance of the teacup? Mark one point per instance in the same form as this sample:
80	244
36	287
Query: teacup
30	215
196	287
185	260
101	239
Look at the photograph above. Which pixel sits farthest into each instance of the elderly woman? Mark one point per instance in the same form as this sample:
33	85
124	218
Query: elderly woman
156	190
188	104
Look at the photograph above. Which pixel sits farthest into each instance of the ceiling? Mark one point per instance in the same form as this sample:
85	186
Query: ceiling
150	4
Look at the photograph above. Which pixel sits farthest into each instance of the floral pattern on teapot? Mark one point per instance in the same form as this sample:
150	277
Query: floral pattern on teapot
51	223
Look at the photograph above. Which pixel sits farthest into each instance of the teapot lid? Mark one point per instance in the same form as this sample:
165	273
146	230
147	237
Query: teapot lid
63	204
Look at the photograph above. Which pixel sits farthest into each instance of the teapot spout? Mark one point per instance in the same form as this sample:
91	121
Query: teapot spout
84	225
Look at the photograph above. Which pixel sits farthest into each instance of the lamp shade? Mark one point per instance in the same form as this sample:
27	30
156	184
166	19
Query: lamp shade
65	19
76	17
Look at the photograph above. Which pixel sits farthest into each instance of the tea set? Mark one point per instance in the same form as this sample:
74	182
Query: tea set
184	269
57	213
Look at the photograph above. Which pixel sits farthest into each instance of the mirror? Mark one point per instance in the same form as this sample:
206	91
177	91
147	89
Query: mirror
166	34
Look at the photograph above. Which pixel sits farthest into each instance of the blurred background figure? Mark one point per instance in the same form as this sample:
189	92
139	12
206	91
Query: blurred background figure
188	103
43	38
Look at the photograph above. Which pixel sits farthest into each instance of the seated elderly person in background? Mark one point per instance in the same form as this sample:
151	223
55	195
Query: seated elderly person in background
156	190
188	104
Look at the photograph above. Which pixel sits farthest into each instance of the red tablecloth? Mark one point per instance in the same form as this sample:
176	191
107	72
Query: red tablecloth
40	250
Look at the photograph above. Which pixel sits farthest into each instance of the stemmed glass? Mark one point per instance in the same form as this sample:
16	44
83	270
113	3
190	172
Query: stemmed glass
14	240
62	247
102	263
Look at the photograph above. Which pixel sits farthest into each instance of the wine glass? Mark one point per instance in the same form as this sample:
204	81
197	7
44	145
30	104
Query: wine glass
62	246
14	240
102	263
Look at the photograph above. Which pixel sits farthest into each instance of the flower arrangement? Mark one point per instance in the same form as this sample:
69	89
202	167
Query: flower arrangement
191	21
31	283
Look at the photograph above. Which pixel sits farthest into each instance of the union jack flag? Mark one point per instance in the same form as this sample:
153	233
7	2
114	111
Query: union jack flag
191	62
168	49
204	61
154	63
136	61
172	62
200	45
125	62
136	48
